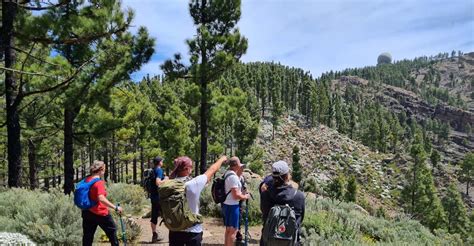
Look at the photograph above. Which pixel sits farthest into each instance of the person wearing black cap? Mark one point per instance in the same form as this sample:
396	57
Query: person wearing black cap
155	198
281	193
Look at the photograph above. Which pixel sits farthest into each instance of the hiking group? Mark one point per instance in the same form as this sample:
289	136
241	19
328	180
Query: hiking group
176	200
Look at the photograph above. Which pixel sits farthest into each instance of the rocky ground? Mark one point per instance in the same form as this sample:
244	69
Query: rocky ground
7	238
324	152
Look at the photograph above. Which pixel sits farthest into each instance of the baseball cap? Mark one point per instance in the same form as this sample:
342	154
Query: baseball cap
157	160
280	168
235	161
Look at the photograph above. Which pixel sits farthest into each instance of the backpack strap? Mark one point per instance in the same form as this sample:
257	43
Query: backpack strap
225	177
94	180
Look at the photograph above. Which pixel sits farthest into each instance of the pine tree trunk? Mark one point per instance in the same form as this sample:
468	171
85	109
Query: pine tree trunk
9	11
69	116
112	160
203	80
204	127
106	161
467	188
135	162
273	131
32	164
141	163
91	151
126	167
196	168
413	191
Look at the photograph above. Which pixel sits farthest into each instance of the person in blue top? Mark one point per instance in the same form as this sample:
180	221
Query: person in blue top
155	198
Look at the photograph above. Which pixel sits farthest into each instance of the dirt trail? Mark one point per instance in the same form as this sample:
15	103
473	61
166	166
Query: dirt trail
213	232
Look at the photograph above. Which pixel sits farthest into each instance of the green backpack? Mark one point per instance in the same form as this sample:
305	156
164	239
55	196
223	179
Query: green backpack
174	206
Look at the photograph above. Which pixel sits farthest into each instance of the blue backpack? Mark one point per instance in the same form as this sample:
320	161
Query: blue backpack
81	194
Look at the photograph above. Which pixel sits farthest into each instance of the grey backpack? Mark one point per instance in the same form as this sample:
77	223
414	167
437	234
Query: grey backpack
280	228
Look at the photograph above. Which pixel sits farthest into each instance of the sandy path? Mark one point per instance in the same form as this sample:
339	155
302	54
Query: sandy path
213	232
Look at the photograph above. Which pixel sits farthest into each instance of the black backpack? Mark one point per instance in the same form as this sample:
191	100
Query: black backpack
149	181
280	228
218	189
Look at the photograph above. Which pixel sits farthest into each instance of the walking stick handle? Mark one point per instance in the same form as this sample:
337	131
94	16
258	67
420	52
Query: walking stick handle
124	237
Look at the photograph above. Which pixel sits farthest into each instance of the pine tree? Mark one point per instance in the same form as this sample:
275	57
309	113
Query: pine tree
352	190
458	221
435	158
297	172
352	121
467	174
215	48
420	195
336	188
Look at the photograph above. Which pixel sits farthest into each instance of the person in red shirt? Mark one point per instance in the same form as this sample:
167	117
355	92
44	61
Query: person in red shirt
99	214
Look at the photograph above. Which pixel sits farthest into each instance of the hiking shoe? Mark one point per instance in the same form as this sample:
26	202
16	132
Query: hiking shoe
156	237
238	237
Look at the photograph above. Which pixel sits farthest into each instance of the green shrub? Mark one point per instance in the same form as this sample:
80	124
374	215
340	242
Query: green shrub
43	217
328	223
131	197
132	230
256	167
207	206
311	185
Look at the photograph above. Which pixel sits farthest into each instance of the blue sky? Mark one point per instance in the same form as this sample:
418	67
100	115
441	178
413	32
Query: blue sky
320	35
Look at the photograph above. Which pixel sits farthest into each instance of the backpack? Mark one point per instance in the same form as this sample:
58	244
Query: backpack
174	206
280	228
81	194
149	181
218	189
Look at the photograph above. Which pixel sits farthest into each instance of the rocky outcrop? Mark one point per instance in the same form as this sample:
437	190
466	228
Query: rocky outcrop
457	118
324	153
400	100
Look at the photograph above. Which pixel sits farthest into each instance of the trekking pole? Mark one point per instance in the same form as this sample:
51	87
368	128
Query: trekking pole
247	220
124	238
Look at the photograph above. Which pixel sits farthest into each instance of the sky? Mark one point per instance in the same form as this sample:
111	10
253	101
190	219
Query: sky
319	35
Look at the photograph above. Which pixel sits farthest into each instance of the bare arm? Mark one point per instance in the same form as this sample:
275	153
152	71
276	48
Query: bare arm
107	203
159	181
214	167
238	195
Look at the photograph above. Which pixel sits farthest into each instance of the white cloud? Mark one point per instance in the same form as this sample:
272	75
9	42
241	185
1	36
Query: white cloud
322	35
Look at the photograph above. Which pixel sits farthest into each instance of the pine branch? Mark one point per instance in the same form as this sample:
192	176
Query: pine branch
61	3
63	83
27	73
23	68
34	57
73	41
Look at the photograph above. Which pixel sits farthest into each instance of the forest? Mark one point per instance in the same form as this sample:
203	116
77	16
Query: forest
68	99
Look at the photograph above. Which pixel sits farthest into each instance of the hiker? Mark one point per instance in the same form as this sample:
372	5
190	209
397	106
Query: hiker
99	214
281	193
238	236
155	198
193	187
231	207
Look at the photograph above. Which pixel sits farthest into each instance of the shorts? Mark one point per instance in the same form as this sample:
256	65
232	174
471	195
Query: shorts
231	215
155	212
